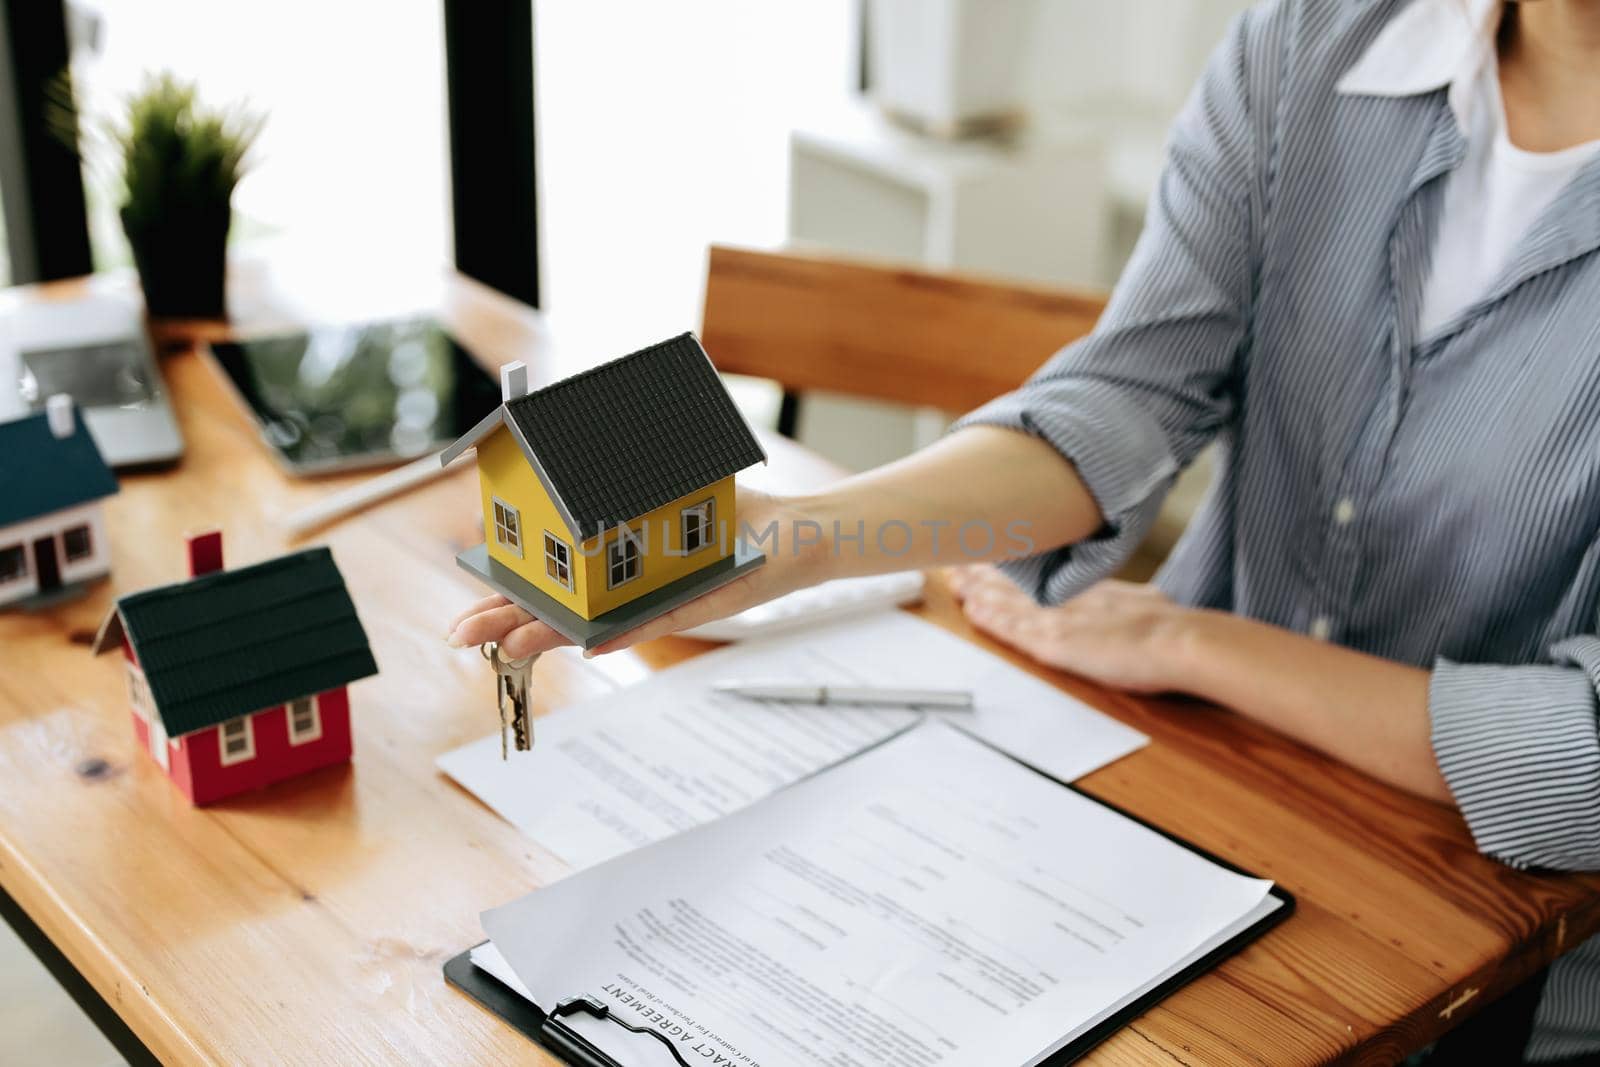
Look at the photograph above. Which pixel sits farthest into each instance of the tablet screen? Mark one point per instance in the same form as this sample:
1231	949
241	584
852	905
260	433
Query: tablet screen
346	396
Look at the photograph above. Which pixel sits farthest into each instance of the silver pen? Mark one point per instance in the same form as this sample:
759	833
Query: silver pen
859	695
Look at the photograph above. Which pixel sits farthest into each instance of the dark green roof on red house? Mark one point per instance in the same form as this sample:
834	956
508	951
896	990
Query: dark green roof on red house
238	641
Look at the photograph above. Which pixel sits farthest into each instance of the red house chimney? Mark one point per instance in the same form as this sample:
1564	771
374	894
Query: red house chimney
205	552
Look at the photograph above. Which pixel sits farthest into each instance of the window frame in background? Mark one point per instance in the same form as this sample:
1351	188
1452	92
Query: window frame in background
494	207
41	181
490	145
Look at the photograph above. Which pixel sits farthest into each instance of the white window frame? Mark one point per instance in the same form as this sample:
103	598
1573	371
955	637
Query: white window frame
706	512
628	536
144	706
552	559
248	752
313	734
88	553
507	518
26	571
139	692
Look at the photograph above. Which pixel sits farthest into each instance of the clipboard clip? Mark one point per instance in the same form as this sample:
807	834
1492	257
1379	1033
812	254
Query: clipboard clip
556	1028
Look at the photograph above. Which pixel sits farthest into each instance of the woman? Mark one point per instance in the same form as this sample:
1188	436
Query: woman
1369	274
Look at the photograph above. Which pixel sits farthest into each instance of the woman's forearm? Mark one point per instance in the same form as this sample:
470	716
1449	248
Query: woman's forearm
1368	712
982	493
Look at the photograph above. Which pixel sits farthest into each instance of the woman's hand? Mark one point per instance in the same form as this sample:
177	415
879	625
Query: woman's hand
1122	634
787	568
1368	712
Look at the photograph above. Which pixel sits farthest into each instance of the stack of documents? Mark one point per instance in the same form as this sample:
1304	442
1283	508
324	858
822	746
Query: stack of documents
668	754
929	902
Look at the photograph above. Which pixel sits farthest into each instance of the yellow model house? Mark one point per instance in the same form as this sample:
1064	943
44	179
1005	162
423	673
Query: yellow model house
608	497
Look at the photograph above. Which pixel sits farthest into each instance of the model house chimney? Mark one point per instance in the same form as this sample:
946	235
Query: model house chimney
513	380
205	552
58	410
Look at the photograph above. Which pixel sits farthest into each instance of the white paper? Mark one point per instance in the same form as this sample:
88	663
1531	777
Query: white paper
666	754
486	957
930	902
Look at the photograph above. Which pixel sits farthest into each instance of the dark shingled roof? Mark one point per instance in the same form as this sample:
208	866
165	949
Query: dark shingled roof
41	473
237	641
633	434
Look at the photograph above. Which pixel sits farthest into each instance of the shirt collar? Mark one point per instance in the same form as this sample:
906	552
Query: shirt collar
1429	45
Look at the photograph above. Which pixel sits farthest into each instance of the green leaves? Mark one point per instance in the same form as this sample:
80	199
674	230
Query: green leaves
179	157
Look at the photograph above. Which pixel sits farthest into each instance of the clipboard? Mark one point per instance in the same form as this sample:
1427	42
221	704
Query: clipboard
550	1031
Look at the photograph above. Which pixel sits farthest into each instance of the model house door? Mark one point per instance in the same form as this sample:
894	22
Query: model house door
47	564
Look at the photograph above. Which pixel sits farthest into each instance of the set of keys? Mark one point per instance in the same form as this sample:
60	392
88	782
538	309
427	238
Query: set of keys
511	694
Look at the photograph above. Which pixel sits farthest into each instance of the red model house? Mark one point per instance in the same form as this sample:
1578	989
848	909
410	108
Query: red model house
237	678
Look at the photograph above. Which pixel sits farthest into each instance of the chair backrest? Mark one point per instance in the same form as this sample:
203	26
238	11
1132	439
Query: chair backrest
891	333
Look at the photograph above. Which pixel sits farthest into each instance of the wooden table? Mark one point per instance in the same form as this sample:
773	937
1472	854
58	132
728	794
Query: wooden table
308	923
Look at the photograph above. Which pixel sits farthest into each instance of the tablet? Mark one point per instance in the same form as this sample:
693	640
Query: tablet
339	397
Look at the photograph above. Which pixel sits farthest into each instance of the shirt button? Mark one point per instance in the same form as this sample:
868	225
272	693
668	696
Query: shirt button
1321	627
1344	511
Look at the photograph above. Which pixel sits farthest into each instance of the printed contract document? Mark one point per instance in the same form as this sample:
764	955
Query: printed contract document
929	902
669	753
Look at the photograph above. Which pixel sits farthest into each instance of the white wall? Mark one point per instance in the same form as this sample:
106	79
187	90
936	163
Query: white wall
352	160
97	563
663	127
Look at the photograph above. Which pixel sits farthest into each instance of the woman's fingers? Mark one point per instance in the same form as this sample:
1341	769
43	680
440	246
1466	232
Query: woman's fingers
486	604
998	616
1105	633
1004	598
490	625
964	581
494	618
529	638
993	603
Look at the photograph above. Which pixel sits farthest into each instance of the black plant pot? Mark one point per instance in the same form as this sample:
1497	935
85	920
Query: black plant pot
182	259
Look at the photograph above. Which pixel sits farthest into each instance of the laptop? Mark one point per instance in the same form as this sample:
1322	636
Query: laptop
95	350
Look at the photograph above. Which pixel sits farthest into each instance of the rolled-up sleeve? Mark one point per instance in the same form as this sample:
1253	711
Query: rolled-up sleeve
1520	750
1134	402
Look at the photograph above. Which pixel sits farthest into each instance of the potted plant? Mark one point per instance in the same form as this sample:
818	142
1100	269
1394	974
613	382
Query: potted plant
180	162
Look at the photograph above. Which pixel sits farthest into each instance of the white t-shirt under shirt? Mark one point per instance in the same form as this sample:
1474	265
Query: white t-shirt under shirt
1491	200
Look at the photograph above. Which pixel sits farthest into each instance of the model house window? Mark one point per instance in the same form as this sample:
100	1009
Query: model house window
507	527
622	560
76	543
697	526
139	692
13	563
237	739
558	559
305	720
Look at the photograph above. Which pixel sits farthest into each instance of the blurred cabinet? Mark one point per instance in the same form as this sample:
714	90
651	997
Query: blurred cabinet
1034	208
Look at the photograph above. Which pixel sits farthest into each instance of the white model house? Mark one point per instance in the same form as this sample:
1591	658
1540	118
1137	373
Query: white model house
52	522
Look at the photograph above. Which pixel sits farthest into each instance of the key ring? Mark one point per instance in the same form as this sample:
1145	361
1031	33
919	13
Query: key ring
490	651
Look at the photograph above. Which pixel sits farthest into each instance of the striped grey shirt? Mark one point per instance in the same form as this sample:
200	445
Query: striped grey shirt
1431	499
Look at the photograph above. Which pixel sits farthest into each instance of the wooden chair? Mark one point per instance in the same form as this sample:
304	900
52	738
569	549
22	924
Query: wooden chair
910	336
